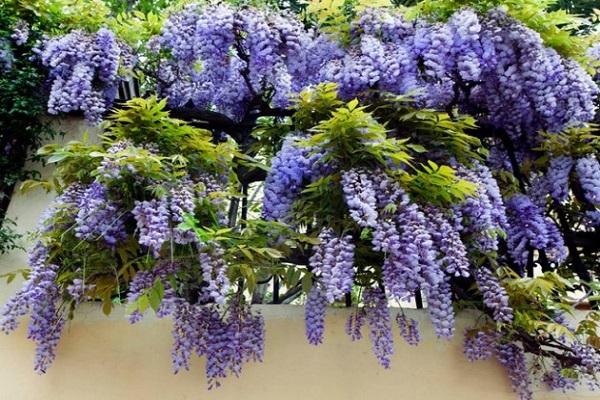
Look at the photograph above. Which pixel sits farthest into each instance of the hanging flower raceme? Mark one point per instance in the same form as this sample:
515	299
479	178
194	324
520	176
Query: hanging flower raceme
588	173
481	216
529	229
291	168
152	218
557	177
360	197
214	273
84	72
314	315
494	295
99	217
333	263
380	326
409	329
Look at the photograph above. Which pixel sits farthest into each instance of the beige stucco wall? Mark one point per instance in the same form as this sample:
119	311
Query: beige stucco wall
106	358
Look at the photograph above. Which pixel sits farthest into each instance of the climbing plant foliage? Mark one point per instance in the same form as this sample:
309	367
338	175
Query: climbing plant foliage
359	154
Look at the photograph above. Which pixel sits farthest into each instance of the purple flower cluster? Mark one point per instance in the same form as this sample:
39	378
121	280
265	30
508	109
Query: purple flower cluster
525	86
555	380
409	329
99	217
152	218
557	178
231	342
20	303
513	360
415	252
588	173
6	56
182	202
448	242
189	324
528	87
83	69
360	197
333	264
480	346
291	168
109	166
20	33
226	341
413	263
589	358
354	324
214	273
529	229
47	321
410	261
441	311
494	296
225	57
483	344
144	280
314	314
39	296
483	214
380	326
78	288
67	204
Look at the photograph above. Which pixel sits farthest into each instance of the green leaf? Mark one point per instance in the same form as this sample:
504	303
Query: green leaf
307	282
143	302
154	298
57	158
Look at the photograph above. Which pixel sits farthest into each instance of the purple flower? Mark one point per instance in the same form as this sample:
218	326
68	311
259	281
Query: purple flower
99	217
214	273
513	360
529	229
380	326
314	314
83	71
152	217
354	324
557	177
409	329
588	173
360	197
291	168
333	263
494	296
448	243
481	345
441	311
20	33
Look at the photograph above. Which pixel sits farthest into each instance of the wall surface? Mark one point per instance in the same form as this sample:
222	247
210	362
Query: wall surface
107	358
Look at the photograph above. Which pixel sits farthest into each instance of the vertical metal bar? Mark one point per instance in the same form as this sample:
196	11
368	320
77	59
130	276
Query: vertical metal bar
419	299
127	91
122	91
244	215
276	289
136	87
530	264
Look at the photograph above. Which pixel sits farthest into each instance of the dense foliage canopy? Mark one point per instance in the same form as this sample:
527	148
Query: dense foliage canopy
360	155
